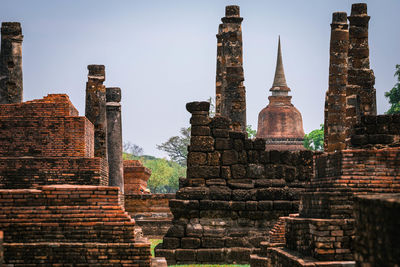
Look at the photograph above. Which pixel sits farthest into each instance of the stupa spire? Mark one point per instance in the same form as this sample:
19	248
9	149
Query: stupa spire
279	79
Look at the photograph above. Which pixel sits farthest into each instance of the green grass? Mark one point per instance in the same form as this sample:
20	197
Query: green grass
155	242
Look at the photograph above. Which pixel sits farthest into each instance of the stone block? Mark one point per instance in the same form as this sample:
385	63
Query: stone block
238	171
255	171
190	242
229	157
200	131
171	242
196	159
198	106
203	172
176	231
199	120
210	255
239	255
213	158
186	255
201	144
212	242
223	144
194	230
220	133
220	193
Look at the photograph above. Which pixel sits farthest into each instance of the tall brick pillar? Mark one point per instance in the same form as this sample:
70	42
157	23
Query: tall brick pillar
361	78
335	100
96	108
230	91
11	63
114	138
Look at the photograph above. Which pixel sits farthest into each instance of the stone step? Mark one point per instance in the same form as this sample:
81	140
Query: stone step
77	254
258	261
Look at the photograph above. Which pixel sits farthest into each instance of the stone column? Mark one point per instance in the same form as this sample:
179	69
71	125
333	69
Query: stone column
230	60
218	78
114	138
96	108
335	100
361	78
11	63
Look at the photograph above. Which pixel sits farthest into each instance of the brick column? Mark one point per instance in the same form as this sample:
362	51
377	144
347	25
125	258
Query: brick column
114	138
11	63
335	100
230	75
361	77
96	108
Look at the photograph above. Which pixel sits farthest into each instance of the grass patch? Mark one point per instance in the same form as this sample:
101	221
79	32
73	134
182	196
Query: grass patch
155	242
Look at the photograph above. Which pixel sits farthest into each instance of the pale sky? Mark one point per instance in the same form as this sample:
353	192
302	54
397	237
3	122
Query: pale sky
163	54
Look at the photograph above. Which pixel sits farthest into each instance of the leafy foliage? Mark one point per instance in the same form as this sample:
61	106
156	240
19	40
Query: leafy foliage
250	132
176	146
315	139
394	94
165	174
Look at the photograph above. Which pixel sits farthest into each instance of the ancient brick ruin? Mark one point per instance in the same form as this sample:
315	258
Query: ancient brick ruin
56	205
11	63
362	158
280	124
230	98
68	198
228	206
234	193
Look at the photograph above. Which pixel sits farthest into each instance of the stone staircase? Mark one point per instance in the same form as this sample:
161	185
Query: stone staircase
70	225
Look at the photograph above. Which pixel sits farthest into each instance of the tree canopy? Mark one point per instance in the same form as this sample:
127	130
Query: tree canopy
176	146
315	139
394	94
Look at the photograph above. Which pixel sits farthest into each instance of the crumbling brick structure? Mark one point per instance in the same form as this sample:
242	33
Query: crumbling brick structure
95	108
234	192
135	177
11	63
363	159
230	98
56	207
45	146
377	241
38	146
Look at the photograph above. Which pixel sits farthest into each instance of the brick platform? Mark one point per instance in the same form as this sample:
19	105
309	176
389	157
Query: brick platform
377	240
68	224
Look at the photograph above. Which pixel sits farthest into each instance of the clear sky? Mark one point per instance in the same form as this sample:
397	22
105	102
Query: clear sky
163	54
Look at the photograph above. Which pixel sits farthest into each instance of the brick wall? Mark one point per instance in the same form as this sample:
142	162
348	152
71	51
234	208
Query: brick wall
377	226
81	224
378	131
32	172
44	141
234	193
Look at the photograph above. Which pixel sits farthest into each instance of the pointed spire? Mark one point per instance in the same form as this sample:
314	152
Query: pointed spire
279	80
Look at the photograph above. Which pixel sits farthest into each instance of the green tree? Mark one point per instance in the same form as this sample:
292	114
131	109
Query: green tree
315	139
160	173
394	94
176	146
250	132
